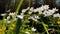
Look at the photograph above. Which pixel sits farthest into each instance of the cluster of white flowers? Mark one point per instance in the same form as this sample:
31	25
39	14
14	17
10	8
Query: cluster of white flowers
39	10
44	9
50	12
7	19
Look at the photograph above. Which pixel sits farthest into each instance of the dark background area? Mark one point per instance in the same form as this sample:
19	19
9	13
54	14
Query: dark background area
12	4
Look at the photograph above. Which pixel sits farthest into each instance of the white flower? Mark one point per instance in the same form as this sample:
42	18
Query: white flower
33	29
35	10
40	12
8	17
46	13
27	8
3	14
37	17
24	10
31	9
11	14
27	32
56	15
55	9
46	7
52	11
20	16
34	19
30	12
31	17
41	8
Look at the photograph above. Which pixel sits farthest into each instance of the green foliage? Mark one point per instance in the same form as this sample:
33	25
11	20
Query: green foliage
43	25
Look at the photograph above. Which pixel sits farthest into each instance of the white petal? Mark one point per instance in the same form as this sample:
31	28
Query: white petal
11	14
33	29
20	16
3	14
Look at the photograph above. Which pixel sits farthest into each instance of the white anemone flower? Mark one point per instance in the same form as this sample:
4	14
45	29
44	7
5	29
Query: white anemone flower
20	16
47	13
30	12
28	8
31	9
8	17
24	10
52	11
41	8
37	17
3	14
55	9
11	14
35	10
40	12
33	29
34	19
56	15
46	7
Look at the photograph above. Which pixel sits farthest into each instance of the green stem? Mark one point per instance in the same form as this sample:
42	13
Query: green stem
18	7
44	25
29	3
